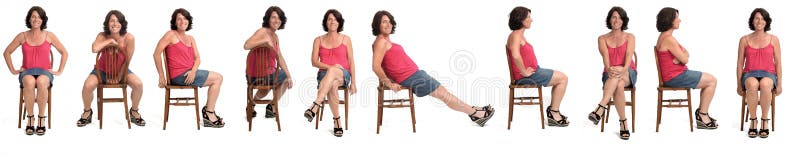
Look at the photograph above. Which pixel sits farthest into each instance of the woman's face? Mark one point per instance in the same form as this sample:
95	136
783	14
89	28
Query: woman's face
331	23
386	25
616	21
181	22
113	24
527	22
274	20
758	22
35	20
677	22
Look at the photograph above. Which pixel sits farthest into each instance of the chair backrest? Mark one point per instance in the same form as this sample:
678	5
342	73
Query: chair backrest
166	68
658	66
510	61
115	67
261	63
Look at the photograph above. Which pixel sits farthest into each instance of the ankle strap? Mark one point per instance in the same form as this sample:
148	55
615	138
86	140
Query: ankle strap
752	119
87	110
623	120
764	119
601	106
41	117
134	110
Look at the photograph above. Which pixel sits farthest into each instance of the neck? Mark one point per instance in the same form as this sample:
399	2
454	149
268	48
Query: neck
115	35
616	32
272	30
668	32
384	36
332	33
760	32
35	30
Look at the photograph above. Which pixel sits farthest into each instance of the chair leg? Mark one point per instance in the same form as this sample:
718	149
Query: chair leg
100	106
741	120
166	108
380	110
689	101
197	108
658	109
49	100
541	107
125	103
773	111
413	116
249	108
633	111
346	109
510	106
21	103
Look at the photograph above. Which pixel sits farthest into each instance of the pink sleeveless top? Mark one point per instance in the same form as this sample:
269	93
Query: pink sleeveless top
36	56
334	56
669	70
616	56
253	64
101	64
528	59
180	58
759	59
397	65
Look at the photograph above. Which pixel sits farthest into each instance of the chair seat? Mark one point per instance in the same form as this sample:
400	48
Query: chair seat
180	87
524	86
112	85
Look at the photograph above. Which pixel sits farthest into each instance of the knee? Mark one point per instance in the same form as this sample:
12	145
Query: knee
333	71
28	81
43	82
751	84
90	83
621	85
766	84
217	78
135	83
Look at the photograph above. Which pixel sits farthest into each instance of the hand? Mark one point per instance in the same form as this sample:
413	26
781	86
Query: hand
189	76
395	87
338	66
162	82
352	88
17	72
675	61
739	90
528	72
56	73
778	90
112	42
288	82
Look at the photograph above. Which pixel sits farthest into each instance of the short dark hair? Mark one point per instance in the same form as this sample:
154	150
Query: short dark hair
338	17
517	16
764	14
376	22
665	18
622	15
185	14
267	17
120	18
42	15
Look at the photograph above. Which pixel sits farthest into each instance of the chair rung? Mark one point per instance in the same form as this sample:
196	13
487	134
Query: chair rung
261	87
111	86
627	103
182	98
524	86
396	106
262	101
526	103
340	102
112	100
526	98
182	104
673	89
180	87
396	100
675	100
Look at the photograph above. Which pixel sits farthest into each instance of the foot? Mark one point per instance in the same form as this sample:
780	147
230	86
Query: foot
704	121
210	119
268	112
337	128
29	130
753	131
482	115
596	117
624	134
41	129
86	118
555	118
312	112
135	117
764	132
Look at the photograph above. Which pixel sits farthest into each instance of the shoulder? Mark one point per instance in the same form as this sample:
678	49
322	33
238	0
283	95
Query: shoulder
129	36
630	36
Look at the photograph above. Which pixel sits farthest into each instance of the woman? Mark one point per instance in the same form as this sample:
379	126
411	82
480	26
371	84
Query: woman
36	73
672	58
760	54
395	70
115	34
526	68
332	53
265	37
183	59
619	71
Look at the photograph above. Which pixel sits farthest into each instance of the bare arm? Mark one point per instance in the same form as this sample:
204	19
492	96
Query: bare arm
351	62
315	55
631	49
61	50
130	46
10	49
513	45
101	42
740	64
378	50
196	55
778	66
259	38
675	49
160	47
601	46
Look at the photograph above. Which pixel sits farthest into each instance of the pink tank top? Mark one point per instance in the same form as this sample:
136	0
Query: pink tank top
180	58
397	65
269	63
616	56
334	56
36	56
759	59
528	59
669	70
120	55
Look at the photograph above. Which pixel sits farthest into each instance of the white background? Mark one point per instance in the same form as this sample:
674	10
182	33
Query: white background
460	43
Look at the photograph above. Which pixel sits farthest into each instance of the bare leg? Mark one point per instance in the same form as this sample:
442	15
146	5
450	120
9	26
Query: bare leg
28	92
453	102
766	97
42	85
751	84
88	94
559	83
708	84
608	90
214	81
619	96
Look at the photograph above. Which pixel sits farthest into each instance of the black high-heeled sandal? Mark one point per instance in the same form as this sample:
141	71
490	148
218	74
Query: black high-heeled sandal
208	123
752	132
309	114
624	134
488	112
702	125
138	121
85	121
552	121
764	132
338	132
41	129
596	118
29	130
268	113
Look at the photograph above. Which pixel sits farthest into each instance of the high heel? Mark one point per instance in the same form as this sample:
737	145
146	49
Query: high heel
488	112
702	125
337	128
29	128
41	129
85	121
624	134
309	114
764	132
594	117
268	113
552	121
752	132
208	123
138	121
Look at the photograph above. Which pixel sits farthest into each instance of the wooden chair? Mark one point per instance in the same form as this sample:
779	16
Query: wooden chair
746	115
631	90
514	100
395	103
344	102
178	101
115	74
671	103
23	112
261	55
